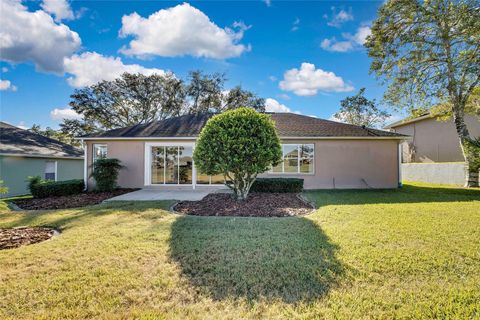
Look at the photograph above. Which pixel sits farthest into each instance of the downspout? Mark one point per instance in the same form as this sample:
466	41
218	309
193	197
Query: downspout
399	157
85	167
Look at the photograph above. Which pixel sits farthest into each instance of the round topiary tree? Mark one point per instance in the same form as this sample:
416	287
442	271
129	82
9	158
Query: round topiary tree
239	144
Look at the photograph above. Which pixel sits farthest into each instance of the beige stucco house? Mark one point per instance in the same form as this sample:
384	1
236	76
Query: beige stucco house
326	154
432	140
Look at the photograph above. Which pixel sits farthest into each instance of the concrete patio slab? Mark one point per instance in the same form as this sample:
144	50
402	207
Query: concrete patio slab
181	194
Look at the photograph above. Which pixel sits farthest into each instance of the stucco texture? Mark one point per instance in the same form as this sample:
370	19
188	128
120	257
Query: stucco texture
434	141
339	163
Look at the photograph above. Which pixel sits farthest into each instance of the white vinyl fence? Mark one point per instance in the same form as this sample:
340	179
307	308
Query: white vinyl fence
441	173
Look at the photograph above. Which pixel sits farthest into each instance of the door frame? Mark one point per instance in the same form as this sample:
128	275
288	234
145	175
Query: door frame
148	162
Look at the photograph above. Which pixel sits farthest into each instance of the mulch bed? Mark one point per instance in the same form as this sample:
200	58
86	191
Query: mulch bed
256	205
16	237
72	201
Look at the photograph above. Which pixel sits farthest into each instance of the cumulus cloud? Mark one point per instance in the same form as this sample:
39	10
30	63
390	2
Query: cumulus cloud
308	80
181	30
295	24
35	37
66	113
272	105
7	85
90	67
340	17
349	42
60	8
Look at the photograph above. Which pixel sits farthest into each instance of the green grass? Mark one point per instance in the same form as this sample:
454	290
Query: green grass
410	253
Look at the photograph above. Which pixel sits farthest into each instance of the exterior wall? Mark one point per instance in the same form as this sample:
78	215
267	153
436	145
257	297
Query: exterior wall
338	163
443	173
14	171
434	141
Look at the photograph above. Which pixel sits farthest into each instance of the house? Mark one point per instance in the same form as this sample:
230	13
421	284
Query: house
433	140
433	154
24	153
324	153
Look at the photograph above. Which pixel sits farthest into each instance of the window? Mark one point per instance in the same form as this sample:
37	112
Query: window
172	165
99	151
297	158
51	170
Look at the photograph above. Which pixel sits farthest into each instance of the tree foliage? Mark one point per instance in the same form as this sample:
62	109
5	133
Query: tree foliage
239	144
429	52
360	111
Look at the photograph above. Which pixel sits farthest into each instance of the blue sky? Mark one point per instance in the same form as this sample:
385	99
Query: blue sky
301	56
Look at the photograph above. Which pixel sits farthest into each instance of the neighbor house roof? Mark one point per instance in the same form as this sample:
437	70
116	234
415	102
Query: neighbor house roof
19	142
289	125
408	120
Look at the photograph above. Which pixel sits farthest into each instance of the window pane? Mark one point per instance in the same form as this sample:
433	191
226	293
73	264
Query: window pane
290	158
185	165
171	165
158	165
306	151
99	151
306	165
202	178
218	179
50	170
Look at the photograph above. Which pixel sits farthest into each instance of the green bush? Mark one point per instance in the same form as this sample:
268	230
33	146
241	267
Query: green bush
3	188
277	185
239	144
105	172
46	188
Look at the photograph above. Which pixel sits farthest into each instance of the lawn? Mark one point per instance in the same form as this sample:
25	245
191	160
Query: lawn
410	253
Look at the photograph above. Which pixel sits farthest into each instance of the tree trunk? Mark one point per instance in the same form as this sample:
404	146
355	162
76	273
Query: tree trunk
471	173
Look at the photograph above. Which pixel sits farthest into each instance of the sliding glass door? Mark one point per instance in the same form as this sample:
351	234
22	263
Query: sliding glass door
172	165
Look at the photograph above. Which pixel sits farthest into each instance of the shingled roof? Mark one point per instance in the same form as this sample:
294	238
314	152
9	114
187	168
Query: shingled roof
16	141
287	124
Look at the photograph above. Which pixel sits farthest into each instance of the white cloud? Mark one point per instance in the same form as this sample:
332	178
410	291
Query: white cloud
35	37
90	67
22	125
268	2
181	30
7	85
4	69
308	81
272	105
295	24
60	8
283	96
350	41
340	17
66	113
273	78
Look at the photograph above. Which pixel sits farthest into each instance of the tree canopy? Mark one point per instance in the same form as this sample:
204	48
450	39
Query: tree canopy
360	111
239	144
428	52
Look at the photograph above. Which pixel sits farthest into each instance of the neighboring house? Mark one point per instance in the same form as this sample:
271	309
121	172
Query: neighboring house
433	140
24	154
324	153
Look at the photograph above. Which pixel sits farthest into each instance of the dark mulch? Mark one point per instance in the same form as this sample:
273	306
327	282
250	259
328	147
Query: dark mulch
256	205
16	237
72	201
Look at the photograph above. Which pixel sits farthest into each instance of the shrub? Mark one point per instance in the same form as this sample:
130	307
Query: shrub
105	173
3	188
46	188
277	185
239	144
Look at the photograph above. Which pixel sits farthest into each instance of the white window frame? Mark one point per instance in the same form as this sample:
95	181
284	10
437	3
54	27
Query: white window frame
55	168
94	153
298	160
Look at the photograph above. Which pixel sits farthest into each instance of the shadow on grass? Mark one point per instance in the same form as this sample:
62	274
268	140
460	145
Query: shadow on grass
407	194
255	258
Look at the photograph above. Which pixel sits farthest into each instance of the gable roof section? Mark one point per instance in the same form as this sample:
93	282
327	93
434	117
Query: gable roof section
409	120
16	141
289	125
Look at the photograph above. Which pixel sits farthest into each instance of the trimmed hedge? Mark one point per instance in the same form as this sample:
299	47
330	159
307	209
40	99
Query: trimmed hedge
46	188
277	185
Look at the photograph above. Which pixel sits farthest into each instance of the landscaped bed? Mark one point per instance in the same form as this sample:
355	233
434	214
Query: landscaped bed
16	237
256	205
71	201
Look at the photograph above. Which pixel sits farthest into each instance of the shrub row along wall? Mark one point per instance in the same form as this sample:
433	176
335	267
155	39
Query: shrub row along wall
277	185
45	189
441	173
